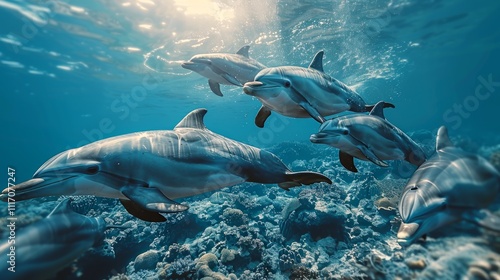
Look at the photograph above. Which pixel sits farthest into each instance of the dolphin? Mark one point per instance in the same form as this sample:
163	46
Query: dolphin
43	248
450	186
368	137
303	92
224	68
147	170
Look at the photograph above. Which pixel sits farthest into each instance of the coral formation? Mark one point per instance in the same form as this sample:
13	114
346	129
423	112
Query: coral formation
252	231
146	260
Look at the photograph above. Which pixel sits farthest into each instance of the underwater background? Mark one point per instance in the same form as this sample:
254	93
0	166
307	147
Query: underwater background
74	72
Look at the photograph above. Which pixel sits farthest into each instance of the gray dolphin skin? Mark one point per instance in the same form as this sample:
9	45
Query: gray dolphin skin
368	137
302	93
147	170
225	68
49	245
450	186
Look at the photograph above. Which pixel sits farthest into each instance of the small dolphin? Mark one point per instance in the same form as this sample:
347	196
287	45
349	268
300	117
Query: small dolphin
448	187
224	68
49	245
368	137
146	170
303	92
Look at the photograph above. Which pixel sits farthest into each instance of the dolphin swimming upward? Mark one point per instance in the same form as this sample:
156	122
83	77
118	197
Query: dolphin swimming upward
449	186
302	93
368	137
224	68
49	245
146	170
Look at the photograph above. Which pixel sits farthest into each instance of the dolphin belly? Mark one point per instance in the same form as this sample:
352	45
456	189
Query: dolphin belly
208	72
345	144
183	179
383	148
325	101
284	105
86	186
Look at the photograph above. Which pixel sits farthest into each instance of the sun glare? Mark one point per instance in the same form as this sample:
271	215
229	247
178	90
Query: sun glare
205	8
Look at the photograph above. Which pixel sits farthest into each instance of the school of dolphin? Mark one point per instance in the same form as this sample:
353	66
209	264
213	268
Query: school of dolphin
148	170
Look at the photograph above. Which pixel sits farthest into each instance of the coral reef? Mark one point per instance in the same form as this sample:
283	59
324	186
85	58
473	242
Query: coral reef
254	231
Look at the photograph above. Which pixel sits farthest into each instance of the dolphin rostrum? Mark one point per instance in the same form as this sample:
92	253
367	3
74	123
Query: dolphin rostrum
450	186
303	92
368	137
224	68
43	248
147	170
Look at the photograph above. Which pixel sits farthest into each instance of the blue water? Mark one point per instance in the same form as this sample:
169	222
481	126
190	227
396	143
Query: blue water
66	65
74	72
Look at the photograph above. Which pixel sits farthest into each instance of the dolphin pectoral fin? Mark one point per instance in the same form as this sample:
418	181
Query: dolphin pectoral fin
215	87
137	211
370	155
262	116
347	161
296	179
152	199
483	218
312	111
297	97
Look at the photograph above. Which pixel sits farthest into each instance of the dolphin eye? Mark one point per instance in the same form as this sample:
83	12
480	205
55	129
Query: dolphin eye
92	170
345	132
287	84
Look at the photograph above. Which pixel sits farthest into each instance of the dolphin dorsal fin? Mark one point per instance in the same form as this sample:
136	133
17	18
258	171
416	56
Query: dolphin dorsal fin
378	110
244	51
63	207
193	120
442	139
317	61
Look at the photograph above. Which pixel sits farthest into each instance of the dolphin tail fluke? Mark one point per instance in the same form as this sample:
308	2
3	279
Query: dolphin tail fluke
369	108
296	179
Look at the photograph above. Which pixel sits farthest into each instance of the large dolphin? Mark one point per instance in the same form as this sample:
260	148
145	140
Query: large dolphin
225	68
368	137
303	92
449	186
147	170
43	248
